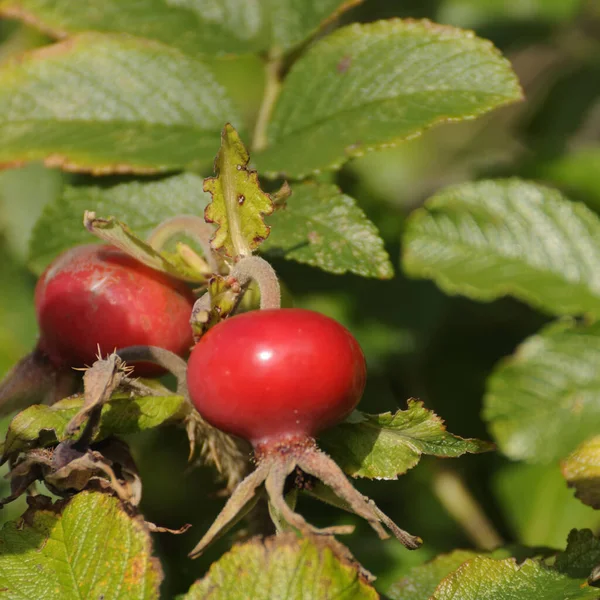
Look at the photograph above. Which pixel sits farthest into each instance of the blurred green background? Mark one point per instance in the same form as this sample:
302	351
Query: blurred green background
418	341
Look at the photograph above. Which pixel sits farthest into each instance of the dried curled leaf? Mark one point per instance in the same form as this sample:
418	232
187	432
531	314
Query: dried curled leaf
99	382
118	234
67	469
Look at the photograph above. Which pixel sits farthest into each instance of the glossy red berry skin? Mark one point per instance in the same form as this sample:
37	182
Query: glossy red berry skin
97	295
267	375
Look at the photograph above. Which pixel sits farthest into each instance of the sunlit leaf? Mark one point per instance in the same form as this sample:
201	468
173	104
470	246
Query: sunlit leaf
465	575
283	567
238	204
367	86
387	445
41	425
508	237
582	472
88	548
545	400
194	26
110	103
324	228
488	579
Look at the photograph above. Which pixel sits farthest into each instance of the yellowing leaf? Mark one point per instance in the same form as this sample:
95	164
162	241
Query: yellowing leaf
582	472
90	549
286	568
238	204
118	234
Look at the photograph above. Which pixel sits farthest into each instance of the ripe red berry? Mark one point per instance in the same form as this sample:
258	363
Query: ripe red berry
96	295
272	374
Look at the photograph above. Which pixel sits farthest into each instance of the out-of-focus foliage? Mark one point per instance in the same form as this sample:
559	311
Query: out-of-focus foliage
419	342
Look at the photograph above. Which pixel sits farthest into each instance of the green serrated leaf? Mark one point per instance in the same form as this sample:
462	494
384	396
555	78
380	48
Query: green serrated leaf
508	237
581	556
283	567
90	549
322	227
422	580
581	469
118	234
142	206
110	103
367	86
387	445
208	26
41	425
238	204
488	579
543	401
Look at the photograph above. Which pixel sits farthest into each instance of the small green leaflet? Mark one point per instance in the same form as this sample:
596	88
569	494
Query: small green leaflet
86	548
322	227
544	401
387	445
508	237
41	425
238	204
284	567
582	472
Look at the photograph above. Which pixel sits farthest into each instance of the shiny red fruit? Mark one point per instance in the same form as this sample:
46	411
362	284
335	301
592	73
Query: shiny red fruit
271	374
97	295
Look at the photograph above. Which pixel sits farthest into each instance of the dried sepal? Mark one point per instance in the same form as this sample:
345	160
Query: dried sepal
241	501
220	300
275	463
99	382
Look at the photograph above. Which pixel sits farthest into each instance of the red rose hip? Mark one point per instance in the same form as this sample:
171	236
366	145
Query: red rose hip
271	374
96	295
278	377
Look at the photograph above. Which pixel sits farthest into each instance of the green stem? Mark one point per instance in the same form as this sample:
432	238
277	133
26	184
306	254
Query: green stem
457	499
259	270
161	357
272	88
187	224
